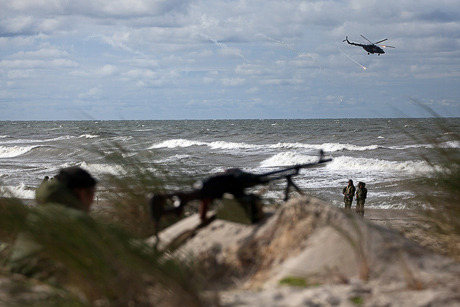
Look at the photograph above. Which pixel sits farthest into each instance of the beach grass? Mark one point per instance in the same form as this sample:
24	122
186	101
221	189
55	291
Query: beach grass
97	263
294	281
440	191
102	260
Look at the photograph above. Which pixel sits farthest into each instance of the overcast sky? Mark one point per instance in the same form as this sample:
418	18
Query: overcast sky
214	59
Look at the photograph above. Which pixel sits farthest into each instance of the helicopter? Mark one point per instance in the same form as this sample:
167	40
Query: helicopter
372	47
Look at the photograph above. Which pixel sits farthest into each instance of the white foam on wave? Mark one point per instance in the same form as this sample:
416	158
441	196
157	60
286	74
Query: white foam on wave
386	205
287	159
365	164
14	151
174	158
88	136
121	139
333	147
176	143
448	144
103	169
98	169
327	147
231	145
28	141
20	191
415	146
296	145
59	138
451	144
391	194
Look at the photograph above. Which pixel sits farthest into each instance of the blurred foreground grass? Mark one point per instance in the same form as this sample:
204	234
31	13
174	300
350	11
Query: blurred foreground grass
102	260
441	191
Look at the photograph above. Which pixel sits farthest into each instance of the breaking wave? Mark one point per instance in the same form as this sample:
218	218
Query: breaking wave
101	169
28	141
20	191
14	151
88	136
287	159
327	147
176	143
451	144
366	164
352	164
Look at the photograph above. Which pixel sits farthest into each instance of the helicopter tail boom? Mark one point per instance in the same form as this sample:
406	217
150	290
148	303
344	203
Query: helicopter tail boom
351	43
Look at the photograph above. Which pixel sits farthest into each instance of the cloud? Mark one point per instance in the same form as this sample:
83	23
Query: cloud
29	63
91	93
106	70
233	81
41	53
20	73
101	8
222	53
140	74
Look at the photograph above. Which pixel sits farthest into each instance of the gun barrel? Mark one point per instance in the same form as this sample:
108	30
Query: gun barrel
293	170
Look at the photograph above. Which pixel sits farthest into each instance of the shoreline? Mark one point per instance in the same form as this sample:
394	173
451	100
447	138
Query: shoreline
372	214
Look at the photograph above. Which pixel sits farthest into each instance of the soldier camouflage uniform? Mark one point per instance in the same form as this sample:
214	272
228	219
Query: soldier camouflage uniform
348	192
58	213
361	195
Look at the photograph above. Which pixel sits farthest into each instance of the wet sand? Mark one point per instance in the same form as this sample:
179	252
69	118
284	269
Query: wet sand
378	215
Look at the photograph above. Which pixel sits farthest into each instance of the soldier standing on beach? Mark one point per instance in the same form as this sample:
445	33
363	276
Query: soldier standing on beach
361	195
348	192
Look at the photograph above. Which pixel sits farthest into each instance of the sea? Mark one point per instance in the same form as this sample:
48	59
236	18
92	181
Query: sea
389	155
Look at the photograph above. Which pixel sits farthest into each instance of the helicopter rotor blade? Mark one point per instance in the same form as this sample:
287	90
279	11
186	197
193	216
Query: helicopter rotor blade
367	40
381	41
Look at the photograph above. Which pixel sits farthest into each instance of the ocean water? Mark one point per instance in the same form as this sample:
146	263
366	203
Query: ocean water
386	154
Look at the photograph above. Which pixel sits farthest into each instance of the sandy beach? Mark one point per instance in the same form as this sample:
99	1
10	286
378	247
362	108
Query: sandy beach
414	226
401	220
297	241
389	258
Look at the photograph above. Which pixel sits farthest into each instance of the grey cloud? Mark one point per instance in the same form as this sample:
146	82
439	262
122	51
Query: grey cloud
143	53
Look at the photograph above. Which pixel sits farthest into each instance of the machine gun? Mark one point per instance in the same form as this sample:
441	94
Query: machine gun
234	181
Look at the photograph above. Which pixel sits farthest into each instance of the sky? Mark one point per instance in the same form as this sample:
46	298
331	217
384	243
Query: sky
227	59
